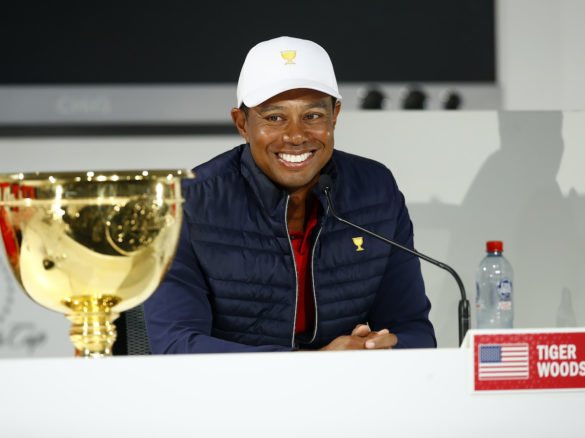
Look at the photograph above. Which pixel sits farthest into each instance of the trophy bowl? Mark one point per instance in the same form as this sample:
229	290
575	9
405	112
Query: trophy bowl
91	244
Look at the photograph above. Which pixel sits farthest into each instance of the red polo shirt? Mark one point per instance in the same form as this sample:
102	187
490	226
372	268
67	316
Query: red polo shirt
302	244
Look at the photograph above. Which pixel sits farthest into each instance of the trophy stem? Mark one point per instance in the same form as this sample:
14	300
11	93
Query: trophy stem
93	332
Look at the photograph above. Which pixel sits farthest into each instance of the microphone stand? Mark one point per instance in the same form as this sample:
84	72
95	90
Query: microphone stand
463	312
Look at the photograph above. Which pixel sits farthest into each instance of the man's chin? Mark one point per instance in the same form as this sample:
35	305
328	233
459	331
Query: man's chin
292	185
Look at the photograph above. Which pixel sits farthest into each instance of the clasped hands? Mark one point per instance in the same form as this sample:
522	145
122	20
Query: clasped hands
363	338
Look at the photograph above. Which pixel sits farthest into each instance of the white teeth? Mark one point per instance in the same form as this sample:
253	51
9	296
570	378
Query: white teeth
295	158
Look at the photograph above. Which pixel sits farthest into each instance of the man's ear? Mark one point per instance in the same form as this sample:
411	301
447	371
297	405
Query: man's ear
239	118
336	110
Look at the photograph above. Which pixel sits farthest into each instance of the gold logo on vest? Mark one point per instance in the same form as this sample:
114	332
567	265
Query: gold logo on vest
288	55
358	241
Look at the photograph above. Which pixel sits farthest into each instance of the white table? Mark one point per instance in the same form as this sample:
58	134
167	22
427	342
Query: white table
393	393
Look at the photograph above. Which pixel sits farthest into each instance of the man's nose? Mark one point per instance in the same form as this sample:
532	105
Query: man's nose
294	133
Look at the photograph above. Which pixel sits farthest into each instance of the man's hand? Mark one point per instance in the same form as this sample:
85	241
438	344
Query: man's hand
363	338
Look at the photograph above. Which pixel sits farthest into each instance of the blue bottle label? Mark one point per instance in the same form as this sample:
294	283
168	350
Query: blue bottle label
505	290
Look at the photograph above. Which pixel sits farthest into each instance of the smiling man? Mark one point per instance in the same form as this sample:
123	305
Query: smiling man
261	263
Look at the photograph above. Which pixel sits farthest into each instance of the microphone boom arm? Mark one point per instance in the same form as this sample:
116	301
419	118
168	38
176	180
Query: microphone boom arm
463	311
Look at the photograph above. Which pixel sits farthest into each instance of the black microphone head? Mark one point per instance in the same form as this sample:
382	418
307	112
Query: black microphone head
325	183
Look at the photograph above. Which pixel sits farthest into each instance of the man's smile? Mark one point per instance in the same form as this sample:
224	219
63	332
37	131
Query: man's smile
295	160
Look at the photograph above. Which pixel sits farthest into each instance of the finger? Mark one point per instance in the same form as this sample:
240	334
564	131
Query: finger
361	330
387	340
346	343
381	342
372	335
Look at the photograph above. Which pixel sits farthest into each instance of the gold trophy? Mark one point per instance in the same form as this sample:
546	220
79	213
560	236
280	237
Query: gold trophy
288	55
358	241
91	245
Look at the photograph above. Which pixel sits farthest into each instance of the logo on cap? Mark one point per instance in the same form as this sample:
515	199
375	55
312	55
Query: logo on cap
288	55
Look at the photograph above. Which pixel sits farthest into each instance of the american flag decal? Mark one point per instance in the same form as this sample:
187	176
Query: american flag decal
503	361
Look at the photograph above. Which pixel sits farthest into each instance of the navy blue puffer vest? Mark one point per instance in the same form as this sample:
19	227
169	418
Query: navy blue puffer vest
235	279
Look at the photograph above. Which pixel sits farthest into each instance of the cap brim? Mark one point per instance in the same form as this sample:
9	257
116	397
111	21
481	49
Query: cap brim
268	91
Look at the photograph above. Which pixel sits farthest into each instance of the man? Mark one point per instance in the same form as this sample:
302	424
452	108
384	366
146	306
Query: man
261	264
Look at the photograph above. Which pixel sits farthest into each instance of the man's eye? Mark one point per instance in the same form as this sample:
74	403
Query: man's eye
313	116
274	118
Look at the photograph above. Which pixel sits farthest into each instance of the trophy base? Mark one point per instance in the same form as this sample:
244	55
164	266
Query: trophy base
93	332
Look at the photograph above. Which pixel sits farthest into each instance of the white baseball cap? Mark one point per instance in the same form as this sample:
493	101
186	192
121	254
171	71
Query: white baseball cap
283	64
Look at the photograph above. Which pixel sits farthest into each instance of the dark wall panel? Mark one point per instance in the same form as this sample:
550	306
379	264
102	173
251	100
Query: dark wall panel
192	41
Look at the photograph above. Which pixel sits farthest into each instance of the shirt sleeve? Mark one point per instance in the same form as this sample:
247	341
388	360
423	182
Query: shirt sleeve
178	315
401	304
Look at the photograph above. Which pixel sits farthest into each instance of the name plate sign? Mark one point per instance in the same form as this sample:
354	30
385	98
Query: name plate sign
528	359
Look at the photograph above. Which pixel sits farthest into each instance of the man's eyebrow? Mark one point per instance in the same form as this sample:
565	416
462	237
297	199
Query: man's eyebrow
265	109
322	105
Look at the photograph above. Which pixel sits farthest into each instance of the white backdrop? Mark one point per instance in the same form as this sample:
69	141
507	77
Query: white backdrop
540	62
468	177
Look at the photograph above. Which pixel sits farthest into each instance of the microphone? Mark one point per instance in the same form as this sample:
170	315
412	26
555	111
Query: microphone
325	185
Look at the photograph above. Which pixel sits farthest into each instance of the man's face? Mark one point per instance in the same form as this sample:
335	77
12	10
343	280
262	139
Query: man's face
290	135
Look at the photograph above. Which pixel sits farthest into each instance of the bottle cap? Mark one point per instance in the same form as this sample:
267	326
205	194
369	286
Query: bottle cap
494	246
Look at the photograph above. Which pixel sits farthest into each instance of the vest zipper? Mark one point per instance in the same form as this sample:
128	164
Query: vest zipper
313	276
296	272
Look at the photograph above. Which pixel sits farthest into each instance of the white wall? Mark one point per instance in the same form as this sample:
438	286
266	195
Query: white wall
541	54
468	177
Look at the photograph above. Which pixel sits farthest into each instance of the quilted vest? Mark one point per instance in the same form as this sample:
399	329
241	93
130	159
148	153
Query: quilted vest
236	219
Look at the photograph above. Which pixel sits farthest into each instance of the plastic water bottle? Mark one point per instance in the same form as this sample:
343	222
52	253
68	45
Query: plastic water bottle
565	312
494	282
